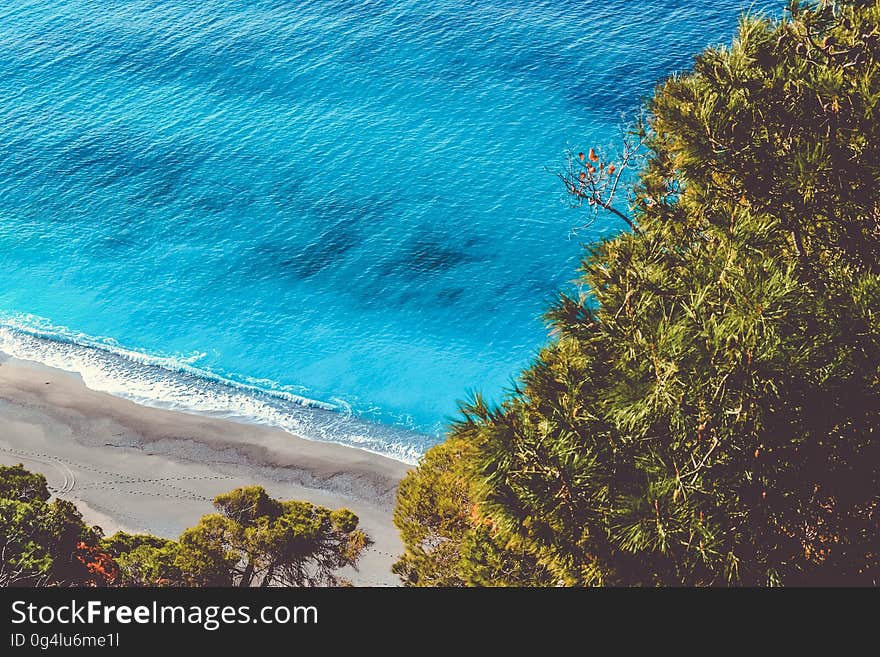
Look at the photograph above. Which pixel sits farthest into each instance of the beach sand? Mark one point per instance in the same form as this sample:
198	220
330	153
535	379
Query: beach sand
142	469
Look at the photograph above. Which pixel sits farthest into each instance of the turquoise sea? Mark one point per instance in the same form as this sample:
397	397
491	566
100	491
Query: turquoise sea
334	217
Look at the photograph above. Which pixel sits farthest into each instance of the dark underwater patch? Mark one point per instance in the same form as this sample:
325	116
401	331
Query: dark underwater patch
450	296
427	257
300	260
104	158
319	255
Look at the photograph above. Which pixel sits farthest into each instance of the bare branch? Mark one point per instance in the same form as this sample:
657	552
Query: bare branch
590	179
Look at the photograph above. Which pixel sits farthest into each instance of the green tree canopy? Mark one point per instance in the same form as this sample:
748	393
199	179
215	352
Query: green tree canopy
254	540
708	410
448	542
16	483
44	542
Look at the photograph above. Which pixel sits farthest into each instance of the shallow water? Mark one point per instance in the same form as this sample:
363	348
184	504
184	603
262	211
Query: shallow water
269	208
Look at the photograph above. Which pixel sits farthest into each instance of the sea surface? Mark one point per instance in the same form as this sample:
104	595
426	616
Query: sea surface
334	217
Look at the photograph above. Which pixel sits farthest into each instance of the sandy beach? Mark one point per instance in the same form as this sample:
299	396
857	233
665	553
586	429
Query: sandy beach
140	469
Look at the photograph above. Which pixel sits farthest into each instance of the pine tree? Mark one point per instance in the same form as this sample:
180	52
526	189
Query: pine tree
448	542
43	542
255	540
709	412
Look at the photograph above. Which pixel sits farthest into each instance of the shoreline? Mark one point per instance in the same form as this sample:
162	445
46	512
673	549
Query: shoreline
142	468
176	383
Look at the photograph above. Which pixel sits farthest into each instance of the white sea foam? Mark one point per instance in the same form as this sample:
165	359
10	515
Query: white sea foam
175	382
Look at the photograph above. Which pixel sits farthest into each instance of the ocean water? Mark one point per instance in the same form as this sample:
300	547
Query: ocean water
334	217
